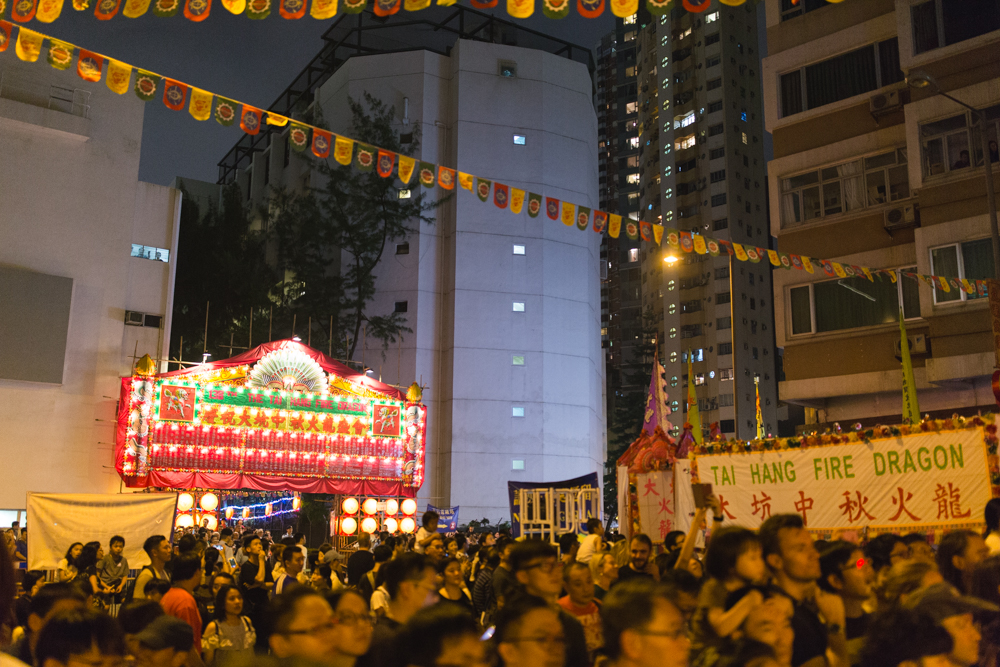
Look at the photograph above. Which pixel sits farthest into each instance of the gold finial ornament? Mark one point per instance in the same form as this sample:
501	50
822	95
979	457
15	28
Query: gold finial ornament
414	393
145	367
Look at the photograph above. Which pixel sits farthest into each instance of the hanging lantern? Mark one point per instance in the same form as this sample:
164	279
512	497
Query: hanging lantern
370	506
296	503
184	521
350	506
229	513
246	512
348	526
369	525
409	507
407	525
391	526
391	507
185	501
209	502
268	509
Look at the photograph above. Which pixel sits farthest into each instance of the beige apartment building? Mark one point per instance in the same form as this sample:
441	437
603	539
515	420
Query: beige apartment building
868	171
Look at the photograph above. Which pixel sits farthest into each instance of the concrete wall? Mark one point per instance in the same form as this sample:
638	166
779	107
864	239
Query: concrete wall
72	207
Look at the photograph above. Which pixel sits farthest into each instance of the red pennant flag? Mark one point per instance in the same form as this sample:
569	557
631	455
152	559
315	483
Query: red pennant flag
321	143
727	246
488	4
23	11
590	9
197	10
388	7
501	195
5	29
174	94
600	221
645	230
250	119
446	178
386	162
292	9
105	10
552	208
89	66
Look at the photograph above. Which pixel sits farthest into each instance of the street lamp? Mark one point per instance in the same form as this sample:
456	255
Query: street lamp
670	259
920	79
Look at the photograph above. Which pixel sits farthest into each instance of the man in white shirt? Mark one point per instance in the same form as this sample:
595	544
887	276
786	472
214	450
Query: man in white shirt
427	531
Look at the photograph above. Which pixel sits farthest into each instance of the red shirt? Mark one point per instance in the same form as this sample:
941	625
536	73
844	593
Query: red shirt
590	619
180	604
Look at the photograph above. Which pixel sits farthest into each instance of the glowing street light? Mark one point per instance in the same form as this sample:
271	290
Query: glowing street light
670	259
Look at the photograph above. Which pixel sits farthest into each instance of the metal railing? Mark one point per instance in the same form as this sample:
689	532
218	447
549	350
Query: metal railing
549	513
48	96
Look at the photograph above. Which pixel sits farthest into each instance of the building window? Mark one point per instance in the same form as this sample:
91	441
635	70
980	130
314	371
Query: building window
712	61
630	19
871	181
403	248
518	306
946	143
726	373
723	322
517	411
633	254
715	106
630	36
725	400
149	252
792	8
854	73
722	298
401	306
631	107
699	378
722	223
507	68
972	260
712	39
519	139
685	120
517	464
717	153
717	176
725	348
518	249
719	200
722	273
851	303
713	84
690	307
517	360
684	142
712	18
716	129
938	23
404	194
697	354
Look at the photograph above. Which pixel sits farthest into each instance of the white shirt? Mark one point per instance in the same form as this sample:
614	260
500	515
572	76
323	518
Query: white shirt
993	542
422	535
588	548
380	599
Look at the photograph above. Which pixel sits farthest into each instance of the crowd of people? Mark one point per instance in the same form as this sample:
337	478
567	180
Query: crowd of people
774	597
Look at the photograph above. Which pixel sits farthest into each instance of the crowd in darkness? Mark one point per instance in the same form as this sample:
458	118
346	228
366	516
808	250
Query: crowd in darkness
771	597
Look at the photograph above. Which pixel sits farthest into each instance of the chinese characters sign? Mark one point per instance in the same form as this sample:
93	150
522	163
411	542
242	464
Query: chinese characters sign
925	479
655	492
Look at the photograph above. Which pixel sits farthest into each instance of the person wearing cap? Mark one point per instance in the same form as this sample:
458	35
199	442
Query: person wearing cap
165	642
954	612
906	638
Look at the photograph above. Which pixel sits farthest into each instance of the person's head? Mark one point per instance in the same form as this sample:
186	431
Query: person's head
435	549
441	635
579	583
352	634
228	602
364	541
536	567
919	548
292	560
211	559
50	600
529	632
958	554
788	549
642	626
886	550
186	571
735	553
80	638
155	589
253	546
674	540
903	578
134	616
87	557
450	547
766	623
430	521
639	550
187	543
846	571
504	547
410	581
301	625
905	638
569	545
985	580
158	549
300	538
73	551
450	570
164	642
594	526
956	614
604	565
116	546
382	553
682	588
226	535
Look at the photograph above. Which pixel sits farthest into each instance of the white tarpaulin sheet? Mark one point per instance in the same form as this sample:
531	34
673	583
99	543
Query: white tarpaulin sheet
57	520
655	491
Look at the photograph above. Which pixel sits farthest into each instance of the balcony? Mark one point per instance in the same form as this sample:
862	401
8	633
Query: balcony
62	109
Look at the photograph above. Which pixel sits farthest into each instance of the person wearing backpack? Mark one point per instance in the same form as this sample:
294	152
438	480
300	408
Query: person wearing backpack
158	549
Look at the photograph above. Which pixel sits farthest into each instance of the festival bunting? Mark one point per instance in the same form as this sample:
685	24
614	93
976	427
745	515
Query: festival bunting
5	29
323	9
292	9
552	208
60	54
658	236
555	9
406	165
425	173
250	119
81	5
343	150
501	195
135	8
646	231
23	11
582	217
119	75
235	6
659	7
520	9
354	6
516	200
364	159
911	410
386	163
47	12
614	225
200	106
567	214
446	178
298	137
276	119
89	66
386	7
197	10
29	45
258	9
483	4
175	96
631	229
165	8
465	180
534	204
321	142
590	9
105	10
146	84
416	5
624	8
483	188
600	221
225	111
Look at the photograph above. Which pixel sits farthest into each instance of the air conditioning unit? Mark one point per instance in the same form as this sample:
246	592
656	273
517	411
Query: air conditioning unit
918	346
134	318
884	103
902	217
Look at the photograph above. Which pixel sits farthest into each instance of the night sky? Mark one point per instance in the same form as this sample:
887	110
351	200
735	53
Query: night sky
251	61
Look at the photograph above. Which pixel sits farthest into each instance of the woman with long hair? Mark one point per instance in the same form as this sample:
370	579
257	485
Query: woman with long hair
86	566
67	566
453	585
230	638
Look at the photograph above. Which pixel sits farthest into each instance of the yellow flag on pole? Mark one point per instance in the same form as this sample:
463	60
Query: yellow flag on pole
911	411
760	416
693	416
119	75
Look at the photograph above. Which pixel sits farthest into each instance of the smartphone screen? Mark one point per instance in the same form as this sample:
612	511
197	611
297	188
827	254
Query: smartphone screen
232	563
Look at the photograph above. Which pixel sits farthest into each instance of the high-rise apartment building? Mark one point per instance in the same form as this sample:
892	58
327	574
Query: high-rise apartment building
618	159
867	171
702	170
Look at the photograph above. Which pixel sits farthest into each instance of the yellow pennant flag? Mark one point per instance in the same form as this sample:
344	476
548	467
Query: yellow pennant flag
968	287
773	256
807	264
323	9
622	9
235	6
568	218
943	282
48	10
406	165
133	9
868	274
699	244
119	75
516	200
658	234
839	270
741	254
200	107
520	9
693	416
416	5
614	225
276	120
446	3
343	150
465	180
892	276
911	411
29	45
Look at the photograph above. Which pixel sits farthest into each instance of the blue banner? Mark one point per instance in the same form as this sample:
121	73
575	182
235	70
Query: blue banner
587	481
448	521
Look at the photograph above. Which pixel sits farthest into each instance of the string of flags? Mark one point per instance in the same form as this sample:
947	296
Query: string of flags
202	105
47	11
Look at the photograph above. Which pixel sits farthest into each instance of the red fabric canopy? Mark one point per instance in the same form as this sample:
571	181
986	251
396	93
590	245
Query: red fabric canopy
328	364
211	480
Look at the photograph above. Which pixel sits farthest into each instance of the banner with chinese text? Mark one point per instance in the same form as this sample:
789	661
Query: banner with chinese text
655	491
927	479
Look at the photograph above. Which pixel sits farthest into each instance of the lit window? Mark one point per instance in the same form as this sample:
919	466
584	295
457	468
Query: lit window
517	412
686	33
519	139
712	18
633	254
630	20
632	179
518	464
699	378
631	107
630	36
404	194
149	252
517	360
518	306
633	142
689	141
518	249
685	120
